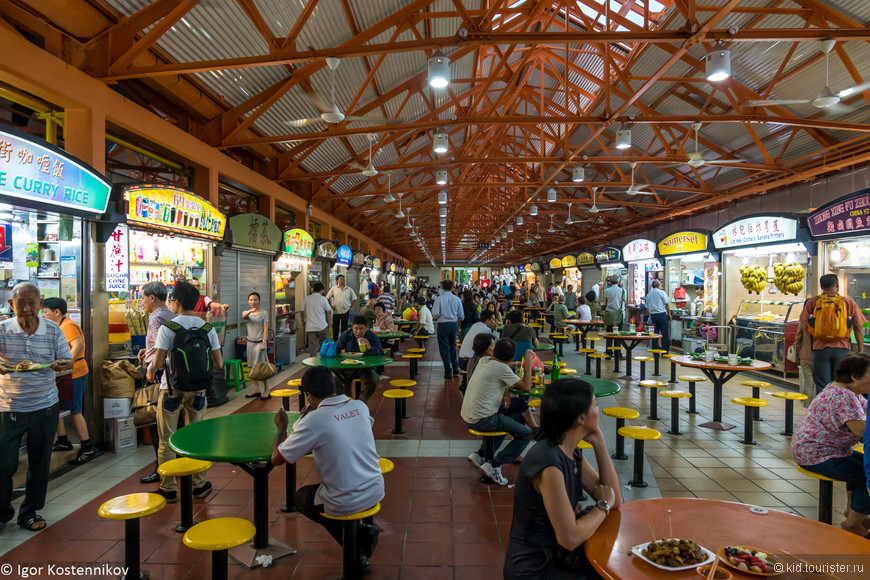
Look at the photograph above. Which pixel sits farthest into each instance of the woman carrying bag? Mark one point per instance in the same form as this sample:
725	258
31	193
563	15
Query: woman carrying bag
258	331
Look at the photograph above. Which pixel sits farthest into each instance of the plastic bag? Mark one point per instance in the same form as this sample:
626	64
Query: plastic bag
328	348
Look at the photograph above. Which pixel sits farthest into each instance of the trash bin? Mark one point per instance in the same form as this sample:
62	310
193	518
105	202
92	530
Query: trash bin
285	348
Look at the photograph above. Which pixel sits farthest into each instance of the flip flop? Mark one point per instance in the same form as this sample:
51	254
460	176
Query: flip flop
252	395
32	521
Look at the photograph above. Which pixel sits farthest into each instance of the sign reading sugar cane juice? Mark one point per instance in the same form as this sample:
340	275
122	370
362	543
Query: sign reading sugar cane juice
175	210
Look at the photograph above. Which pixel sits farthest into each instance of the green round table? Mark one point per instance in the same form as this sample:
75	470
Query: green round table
394	338
243	439
338	369
601	387
542	347
403	322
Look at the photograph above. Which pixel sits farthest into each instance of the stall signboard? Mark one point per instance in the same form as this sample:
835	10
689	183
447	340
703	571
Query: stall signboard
36	171
522	269
358	260
683	243
608	255
555	263
376	263
289	263
298	243
639	250
326	250
586	259
752	231
393	267
512	270
173	210
118	260
5	242
536	267
569	262
251	230
369	260
484	283
345	255
849	215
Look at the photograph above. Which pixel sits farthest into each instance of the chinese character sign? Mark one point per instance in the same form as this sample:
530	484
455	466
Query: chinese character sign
756	230
847	215
118	260
639	250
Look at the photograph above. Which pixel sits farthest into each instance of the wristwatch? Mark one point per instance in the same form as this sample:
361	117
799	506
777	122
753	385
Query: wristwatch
603	506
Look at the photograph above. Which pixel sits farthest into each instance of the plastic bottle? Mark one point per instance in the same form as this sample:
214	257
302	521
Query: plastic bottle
554	370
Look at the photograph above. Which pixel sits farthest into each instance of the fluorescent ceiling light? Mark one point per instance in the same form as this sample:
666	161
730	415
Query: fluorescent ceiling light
442	211
533	210
579	174
623	139
442	197
519	220
551	195
441	177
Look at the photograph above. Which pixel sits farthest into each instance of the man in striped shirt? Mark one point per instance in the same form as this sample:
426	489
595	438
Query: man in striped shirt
387	298
28	401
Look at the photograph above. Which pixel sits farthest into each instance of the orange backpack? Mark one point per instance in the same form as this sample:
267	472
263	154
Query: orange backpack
829	321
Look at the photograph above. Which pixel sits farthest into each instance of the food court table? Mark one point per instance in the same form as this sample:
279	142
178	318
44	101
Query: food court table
725	373
543	347
601	387
715	524
335	365
585	328
402	322
628	342
394	338
243	439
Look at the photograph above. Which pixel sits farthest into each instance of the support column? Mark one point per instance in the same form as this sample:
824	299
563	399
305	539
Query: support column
205	184
266	205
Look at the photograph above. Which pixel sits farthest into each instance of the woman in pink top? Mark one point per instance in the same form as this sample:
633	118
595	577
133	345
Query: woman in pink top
833	424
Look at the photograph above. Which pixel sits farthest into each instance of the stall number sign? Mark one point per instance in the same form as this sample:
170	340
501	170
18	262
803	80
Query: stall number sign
755	230
117	260
849	215
639	250
44	174
345	255
683	243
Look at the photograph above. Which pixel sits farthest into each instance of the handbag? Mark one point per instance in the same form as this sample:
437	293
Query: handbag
144	405
792	353
64	387
328	349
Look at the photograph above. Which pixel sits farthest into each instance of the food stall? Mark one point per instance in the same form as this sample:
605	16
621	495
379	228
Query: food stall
842	229
571	272
555	273
589	272
612	268
692	283
643	268
365	276
357	261
764	266
325	255
290	284
533	270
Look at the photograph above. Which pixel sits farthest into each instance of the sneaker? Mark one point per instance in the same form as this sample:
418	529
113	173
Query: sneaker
494	473
448	376
66	446
201	492
476	459
368	539
84	456
169	496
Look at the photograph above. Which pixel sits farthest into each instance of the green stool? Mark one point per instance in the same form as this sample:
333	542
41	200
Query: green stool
237	379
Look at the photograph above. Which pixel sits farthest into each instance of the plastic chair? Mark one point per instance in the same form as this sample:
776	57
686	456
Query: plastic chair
238	377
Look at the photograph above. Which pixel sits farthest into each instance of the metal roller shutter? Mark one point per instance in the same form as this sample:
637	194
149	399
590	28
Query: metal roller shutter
229	293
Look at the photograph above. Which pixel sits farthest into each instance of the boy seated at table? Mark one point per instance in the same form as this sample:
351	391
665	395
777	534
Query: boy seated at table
337	431
358	338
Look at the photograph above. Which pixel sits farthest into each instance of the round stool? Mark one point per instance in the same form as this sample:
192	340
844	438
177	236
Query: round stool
790	398
826	495
642	360
386	465
692	379
587	352
349	531
285	395
130	508
656	352
559	340
536	326
294	383
413	360
640	435
675	397
567	372
403	384
399	395
184	468
749	405
756	387
598	356
673	368
236	378
653	399
616	353
217	536
576	334
620	414
535	403
489	438
415	350
421	339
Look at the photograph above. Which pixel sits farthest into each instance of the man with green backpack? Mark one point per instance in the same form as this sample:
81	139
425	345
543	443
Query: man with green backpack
829	319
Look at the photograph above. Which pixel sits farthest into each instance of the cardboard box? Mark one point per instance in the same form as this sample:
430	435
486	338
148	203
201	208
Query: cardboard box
121	433
117	408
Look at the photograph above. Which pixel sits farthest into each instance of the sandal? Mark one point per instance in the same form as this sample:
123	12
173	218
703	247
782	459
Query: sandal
31	523
252	395
266	398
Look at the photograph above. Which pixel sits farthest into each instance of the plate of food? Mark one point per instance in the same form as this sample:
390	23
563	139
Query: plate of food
28	367
722	359
353	354
351	362
698	356
674	554
744	361
748	560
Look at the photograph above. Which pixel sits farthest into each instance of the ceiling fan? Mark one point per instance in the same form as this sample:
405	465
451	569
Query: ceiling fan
329	111
826	99
400	214
696	158
595	208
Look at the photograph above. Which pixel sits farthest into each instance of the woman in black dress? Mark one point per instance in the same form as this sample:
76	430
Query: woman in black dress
549	525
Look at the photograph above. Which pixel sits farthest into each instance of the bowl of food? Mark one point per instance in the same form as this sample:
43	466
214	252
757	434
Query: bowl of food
748	560
720	574
673	554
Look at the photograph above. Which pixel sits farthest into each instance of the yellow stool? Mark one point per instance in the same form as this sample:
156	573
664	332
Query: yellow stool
621	414
349	531
217	536
790	397
184	468
535	403
412	358
675	397
826	495
489	438
584	445
567	372
403	384
576	334
237	377
692	379
587	352
749	405
756	387
653	399
421	339
616	352
285	395
399	395
415	350
130	508
642	360
537	326
640	435
656	352
386	465
598	356
673	368
294	383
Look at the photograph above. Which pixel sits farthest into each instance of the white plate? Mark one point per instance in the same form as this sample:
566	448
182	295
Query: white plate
638	551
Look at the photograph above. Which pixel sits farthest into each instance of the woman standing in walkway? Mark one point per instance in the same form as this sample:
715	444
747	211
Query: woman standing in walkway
258	333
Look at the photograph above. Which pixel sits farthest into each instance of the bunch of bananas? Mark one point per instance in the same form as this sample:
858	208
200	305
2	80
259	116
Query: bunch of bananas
753	278
789	278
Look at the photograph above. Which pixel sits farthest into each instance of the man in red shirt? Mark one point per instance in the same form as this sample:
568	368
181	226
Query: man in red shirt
827	353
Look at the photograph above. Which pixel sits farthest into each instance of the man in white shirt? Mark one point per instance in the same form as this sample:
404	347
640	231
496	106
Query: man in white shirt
613	305
315	307
342	298
487	391
337	431
486	324
425	324
657	302
171	401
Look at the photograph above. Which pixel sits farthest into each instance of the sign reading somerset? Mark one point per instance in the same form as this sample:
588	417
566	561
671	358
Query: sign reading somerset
847	215
37	171
174	210
683	243
751	231
298	243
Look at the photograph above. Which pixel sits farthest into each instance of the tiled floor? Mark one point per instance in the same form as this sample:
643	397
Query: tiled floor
438	520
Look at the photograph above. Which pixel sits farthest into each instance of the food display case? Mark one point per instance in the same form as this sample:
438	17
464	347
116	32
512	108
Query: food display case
767	328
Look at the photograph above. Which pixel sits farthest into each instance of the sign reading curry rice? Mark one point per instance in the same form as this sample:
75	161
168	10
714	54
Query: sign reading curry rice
683	243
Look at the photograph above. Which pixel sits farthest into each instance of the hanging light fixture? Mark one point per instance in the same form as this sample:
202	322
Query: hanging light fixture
533	210
519	220
442	211
444	221
511	228
440	142
718	63
439	70
442	196
441	177
623	139
579	174
551	195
